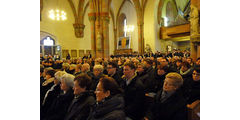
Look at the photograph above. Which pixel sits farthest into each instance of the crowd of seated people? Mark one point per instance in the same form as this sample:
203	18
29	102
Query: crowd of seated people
144	87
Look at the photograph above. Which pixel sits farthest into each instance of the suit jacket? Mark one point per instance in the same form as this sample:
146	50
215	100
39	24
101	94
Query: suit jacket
173	108
134	99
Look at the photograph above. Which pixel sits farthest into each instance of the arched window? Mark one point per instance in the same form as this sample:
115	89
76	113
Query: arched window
47	41
125	25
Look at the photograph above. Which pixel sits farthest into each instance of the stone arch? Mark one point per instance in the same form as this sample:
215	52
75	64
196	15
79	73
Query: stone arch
159	12
120	24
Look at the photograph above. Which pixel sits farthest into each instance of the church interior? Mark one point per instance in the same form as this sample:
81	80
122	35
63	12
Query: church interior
110	27
143	55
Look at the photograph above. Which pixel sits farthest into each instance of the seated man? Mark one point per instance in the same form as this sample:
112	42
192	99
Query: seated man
169	102
112	72
133	92
97	74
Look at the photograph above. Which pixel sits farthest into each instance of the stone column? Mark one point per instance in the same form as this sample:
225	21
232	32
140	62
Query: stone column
140	38
99	37
115	40
93	41
105	19
195	30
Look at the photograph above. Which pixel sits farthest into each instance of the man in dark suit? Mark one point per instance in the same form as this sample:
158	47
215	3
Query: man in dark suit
133	92
112	72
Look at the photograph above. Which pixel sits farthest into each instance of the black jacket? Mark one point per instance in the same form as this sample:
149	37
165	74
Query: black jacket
51	96
173	108
193	91
111	109
159	80
134	99
95	80
59	107
80	106
117	78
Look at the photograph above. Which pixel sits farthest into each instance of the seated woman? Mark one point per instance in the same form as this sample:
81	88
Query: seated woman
80	106
169	102
45	89
110	102
194	90
60	105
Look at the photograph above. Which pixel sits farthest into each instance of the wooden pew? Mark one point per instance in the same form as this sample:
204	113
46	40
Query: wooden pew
194	110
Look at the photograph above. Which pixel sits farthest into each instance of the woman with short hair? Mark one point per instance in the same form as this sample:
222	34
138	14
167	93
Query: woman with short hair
110	102
80	106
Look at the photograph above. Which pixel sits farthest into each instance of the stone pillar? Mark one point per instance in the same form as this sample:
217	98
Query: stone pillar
99	37
195	29
105	19
140	38
93	41
115	40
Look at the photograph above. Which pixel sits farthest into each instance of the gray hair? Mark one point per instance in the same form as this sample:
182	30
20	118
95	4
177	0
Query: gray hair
58	75
98	67
68	79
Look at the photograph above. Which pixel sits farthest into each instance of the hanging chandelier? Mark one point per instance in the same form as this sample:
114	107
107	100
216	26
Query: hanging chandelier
57	15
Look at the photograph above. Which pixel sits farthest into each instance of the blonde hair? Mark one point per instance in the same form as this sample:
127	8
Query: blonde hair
177	78
98	67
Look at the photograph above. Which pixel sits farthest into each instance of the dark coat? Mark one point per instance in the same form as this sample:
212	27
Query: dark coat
51	96
148	80
95	80
59	107
111	109
79	108
159	80
117	78
134	97
193	91
173	108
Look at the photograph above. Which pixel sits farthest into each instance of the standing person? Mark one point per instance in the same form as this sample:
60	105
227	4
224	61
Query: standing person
79	108
133	92
68	57
169	102
110	101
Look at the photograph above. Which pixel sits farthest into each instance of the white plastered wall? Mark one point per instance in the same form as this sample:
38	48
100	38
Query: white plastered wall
131	16
63	30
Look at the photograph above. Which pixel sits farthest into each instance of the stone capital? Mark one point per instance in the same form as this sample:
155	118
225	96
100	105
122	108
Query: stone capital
105	18
79	29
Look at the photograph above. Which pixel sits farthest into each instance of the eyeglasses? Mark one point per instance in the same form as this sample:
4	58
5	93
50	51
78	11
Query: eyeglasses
196	74
109	67
97	90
